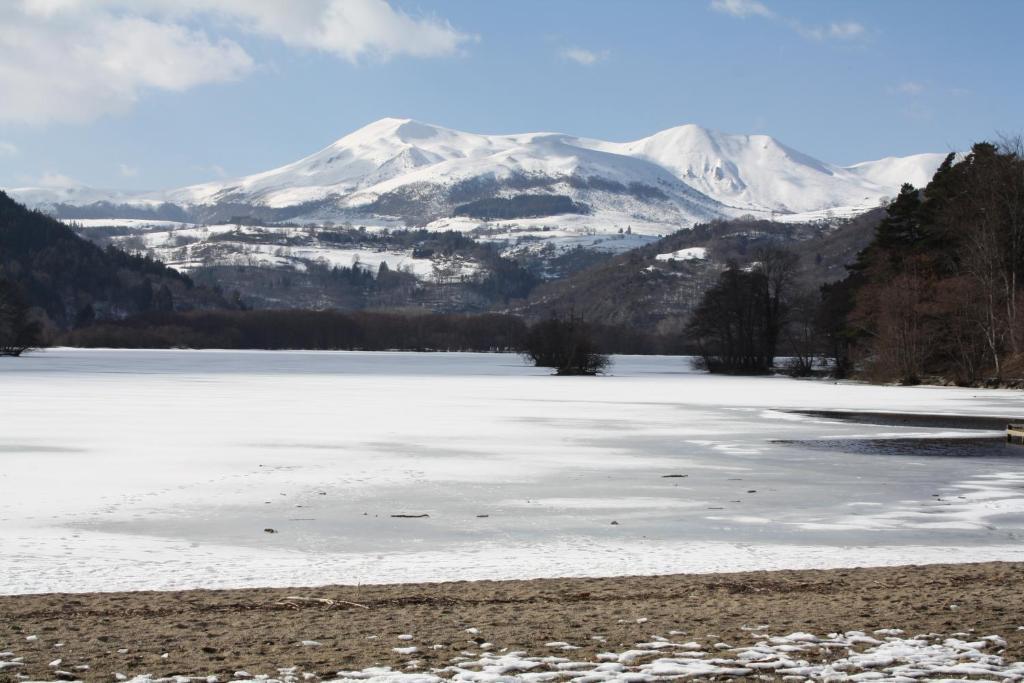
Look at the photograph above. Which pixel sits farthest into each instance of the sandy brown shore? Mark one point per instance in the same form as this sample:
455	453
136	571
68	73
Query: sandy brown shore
259	630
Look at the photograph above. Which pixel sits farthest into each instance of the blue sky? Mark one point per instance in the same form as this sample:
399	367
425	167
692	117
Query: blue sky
155	94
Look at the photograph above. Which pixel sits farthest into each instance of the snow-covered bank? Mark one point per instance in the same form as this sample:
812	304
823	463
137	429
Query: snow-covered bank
146	469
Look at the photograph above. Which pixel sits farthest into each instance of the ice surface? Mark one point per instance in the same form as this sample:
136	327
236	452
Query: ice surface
161	469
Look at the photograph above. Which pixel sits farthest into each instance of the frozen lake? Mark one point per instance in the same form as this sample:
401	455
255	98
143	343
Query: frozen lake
162	469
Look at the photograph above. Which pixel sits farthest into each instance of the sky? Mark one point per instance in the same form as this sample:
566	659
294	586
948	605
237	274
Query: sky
156	94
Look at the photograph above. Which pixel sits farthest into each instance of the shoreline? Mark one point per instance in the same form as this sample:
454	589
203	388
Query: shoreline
327	629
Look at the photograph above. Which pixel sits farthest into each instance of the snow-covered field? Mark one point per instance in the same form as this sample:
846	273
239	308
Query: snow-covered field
691	254
163	469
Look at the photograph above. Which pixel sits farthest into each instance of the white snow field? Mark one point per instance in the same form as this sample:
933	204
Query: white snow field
162	469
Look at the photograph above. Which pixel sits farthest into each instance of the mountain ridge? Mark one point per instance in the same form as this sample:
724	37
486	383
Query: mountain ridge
418	172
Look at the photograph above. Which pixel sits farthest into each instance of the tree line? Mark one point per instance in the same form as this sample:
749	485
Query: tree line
935	296
360	330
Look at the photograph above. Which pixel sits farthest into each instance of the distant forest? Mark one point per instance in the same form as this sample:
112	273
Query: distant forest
520	206
342	330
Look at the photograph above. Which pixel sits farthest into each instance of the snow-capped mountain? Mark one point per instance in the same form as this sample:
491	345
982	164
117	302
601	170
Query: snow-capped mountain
416	173
758	173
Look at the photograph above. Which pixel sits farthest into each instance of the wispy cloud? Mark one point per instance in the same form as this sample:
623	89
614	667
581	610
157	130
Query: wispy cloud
741	8
584	56
908	88
76	60
8	149
836	30
128	171
846	30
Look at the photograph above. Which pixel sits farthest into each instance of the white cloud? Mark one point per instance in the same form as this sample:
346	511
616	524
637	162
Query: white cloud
75	60
81	65
846	30
350	29
8	149
128	171
741	8
841	30
908	88
837	30
584	57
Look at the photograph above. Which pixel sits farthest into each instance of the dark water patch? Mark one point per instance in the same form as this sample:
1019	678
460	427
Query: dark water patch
950	448
913	419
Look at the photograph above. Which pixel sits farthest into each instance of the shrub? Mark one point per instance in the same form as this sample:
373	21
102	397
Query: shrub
18	331
566	346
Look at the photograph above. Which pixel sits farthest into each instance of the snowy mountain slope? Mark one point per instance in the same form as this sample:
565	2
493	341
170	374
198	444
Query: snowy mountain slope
375	153
891	172
418	173
422	172
757	172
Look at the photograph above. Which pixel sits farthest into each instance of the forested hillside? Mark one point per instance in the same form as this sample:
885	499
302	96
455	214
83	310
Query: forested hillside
939	292
68	281
656	288
937	295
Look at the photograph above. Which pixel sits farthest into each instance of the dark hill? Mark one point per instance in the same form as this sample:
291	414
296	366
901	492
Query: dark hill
73	281
637	291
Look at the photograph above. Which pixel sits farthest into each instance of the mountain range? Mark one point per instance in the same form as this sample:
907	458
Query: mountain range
404	172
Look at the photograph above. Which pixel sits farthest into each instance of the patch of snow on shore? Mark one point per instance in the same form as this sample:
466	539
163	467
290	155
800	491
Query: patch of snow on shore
849	656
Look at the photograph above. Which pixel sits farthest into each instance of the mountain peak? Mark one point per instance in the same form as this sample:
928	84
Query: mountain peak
405	130
694	173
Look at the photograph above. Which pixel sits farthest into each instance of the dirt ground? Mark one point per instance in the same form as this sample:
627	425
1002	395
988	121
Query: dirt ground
259	630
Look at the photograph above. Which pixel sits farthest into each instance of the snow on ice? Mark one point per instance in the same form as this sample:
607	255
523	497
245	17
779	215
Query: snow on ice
161	469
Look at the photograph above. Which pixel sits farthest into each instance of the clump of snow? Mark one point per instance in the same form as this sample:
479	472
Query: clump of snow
689	254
